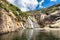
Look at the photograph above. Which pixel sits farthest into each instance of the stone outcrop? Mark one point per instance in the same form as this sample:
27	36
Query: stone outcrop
8	22
56	24
52	20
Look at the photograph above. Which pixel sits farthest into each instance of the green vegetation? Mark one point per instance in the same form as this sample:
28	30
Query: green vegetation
0	14
0	5
9	7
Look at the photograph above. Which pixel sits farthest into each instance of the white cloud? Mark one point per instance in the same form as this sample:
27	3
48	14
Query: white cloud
54	0
40	4
26	5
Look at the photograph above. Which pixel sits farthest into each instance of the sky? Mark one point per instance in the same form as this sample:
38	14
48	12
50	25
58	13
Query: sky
28	5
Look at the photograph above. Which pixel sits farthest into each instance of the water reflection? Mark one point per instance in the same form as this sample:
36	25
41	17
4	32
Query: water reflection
32	34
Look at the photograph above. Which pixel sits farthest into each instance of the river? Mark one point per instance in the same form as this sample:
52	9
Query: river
32	34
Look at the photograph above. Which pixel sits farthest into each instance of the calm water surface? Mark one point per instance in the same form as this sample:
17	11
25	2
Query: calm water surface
32	34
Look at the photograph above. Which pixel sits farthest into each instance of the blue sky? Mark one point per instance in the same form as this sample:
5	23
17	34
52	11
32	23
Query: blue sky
27	5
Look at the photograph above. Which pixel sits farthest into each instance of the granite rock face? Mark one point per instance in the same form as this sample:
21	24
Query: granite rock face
52	20
8	22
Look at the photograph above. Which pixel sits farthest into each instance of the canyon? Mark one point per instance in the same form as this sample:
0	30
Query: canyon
13	19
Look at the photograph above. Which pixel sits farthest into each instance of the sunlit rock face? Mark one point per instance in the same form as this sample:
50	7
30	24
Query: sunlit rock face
8	23
31	22
52	20
56	24
57	19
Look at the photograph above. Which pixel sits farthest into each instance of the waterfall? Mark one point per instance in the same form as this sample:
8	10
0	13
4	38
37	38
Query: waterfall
22	25
30	22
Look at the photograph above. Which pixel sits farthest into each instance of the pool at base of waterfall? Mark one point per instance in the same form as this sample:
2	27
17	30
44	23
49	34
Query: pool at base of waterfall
32	34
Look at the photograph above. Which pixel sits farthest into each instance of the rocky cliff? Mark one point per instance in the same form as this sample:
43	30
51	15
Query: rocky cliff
10	17
13	19
47	17
8	22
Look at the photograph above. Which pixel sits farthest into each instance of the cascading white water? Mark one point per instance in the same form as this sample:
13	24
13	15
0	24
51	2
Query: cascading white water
30	22
35	24
22	25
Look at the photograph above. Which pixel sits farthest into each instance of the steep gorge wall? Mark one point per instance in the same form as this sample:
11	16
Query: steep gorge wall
8	22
